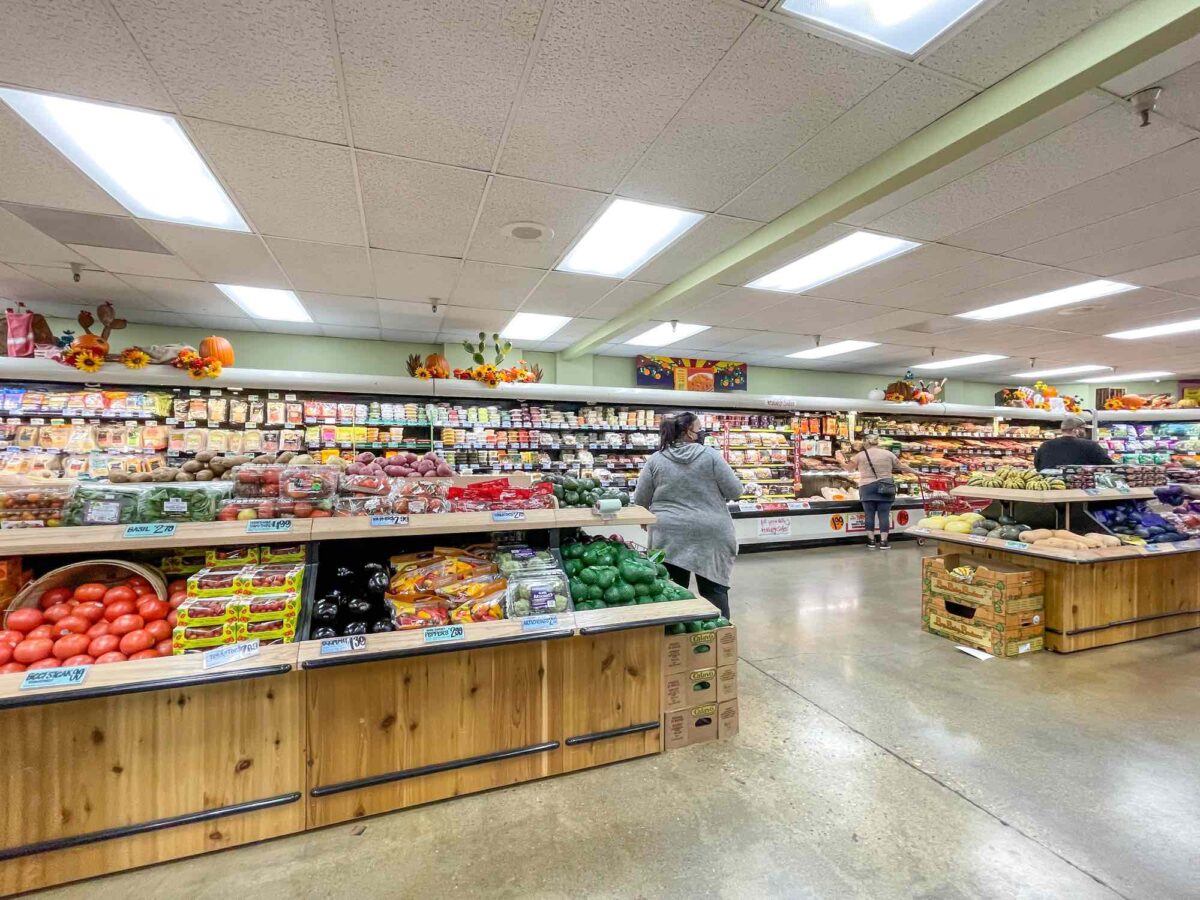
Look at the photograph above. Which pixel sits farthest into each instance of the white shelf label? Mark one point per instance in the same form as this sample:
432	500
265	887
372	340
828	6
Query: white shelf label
348	644
222	656
508	515
442	633
388	521
38	679
977	539
150	530
268	526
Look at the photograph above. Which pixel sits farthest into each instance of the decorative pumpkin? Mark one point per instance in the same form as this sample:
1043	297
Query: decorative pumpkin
437	365
218	348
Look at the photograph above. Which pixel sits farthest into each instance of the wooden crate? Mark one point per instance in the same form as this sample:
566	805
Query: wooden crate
1020	633
999	609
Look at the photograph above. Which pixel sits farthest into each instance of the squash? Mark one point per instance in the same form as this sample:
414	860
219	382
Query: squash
935	522
1035	535
958	527
1065	535
218	348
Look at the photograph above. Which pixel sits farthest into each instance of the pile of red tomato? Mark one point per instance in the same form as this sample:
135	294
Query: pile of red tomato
92	623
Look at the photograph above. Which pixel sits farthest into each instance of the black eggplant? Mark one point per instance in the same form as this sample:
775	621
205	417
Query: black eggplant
372	568
382	625
377	583
355	628
325	611
323	632
334	596
359	607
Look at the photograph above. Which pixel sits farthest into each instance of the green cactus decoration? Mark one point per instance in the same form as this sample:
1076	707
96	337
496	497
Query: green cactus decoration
477	350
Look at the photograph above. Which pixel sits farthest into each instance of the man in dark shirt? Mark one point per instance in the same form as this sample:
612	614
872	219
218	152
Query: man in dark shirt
1071	448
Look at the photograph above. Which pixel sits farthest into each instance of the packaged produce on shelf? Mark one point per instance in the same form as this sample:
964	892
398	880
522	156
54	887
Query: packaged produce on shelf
190	502
214	581
538	592
281	553
187	638
582	492
352	601
1113	477
424	572
500	494
310	482
269	579
185	561
31	506
207	611
103	504
519	560
231	556
603	573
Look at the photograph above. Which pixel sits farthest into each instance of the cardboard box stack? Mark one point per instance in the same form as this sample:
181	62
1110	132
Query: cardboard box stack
984	604
699	687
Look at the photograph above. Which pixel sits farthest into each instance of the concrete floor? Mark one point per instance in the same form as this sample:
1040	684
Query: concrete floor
874	761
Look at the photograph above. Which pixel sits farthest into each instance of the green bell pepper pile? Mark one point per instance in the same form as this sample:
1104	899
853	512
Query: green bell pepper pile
607	573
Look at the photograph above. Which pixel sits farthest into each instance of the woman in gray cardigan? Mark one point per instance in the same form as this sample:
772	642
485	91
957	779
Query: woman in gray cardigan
686	485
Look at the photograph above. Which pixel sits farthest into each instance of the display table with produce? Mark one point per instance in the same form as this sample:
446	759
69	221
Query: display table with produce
525	671
1122	570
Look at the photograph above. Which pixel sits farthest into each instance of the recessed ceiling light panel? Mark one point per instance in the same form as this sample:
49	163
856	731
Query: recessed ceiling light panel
836	349
626	236
903	25
532	326
1053	373
267	303
143	159
833	261
1157	330
666	333
960	361
1127	376
1078	293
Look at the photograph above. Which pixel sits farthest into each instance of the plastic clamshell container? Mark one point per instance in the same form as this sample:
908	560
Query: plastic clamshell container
187	501
518	560
104	504
535	594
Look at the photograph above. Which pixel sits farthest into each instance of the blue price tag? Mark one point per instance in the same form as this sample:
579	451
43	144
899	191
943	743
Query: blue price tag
347	644
442	633
388	521
230	653
508	515
1016	545
153	529
539	623
48	678
268	526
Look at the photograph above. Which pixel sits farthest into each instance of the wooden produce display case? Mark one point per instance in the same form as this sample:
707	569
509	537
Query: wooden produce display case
294	738
1095	598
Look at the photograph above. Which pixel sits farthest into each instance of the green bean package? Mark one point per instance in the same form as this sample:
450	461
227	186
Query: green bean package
182	502
103	504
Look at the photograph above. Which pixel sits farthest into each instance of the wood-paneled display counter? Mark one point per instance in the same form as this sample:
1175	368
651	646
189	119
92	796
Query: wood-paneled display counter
154	760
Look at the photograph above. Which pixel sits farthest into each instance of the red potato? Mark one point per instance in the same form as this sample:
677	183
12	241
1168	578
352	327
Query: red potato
164	648
54	595
11	668
91	611
125	624
70	625
153	608
119	608
48	663
81	660
120	592
71	645
25	620
57	611
91	590
148	653
11	637
105	643
98	629
159	629
114	656
42	631
31	650
136	642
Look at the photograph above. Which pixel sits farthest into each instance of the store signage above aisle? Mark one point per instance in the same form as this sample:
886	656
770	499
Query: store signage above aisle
681	373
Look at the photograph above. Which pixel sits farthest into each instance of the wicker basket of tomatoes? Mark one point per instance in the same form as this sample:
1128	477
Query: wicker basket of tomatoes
98	611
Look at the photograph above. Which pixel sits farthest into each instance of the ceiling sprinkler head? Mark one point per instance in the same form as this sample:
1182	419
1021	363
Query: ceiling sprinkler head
76	272
1144	103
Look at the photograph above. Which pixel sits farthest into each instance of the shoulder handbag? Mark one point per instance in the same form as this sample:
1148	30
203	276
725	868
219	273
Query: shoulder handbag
886	487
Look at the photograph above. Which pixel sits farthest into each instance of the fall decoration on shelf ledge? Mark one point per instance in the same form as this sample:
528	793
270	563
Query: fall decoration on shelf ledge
134	358
432	366
218	348
1040	396
491	374
197	366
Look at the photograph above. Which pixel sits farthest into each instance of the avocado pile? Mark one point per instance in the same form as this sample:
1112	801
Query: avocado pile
607	573
698	625
583	492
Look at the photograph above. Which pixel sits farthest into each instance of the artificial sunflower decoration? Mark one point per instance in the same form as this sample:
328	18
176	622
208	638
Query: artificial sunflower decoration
421	372
134	358
87	360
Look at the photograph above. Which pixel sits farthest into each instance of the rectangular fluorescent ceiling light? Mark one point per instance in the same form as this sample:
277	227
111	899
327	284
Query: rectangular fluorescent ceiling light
833	261
532	326
144	159
666	333
1157	330
626	236
267	303
1052	373
833	349
902	25
1127	376
960	361
1065	297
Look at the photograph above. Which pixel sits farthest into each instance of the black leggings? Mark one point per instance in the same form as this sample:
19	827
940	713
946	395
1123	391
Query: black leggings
716	594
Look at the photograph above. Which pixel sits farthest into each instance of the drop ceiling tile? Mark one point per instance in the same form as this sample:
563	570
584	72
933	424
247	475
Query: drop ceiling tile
787	252
905	104
268	65
489	286
286	186
574	330
332	309
621	298
413	277
135	262
1161	177
352	332
153	317
416	206
20	242
396	315
924	262
564	210
324	268
704	241
406	336
745	118
940	292
308	329
413	103
712	300
567	293
1103	142
225	324
34	172
1181	275
1013	33
1116	313
89	229
92	289
223	257
774	343
17	286
461	319
1142	255
608	76
1181	96
186	297
993	293
1047	123
797	314
75	47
